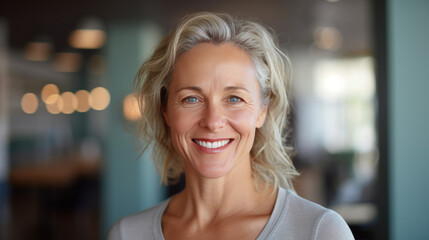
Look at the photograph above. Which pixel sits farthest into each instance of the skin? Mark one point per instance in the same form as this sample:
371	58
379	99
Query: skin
214	96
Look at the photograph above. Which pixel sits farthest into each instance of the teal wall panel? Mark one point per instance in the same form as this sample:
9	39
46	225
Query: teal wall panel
129	182
408	55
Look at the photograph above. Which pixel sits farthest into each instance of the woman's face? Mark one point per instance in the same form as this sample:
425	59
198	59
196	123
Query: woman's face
213	108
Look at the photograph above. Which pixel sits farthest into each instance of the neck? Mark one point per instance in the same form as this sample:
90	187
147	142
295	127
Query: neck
209	199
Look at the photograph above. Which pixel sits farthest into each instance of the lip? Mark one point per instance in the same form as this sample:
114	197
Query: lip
212	150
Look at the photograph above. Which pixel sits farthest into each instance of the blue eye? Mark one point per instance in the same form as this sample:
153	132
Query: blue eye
191	100
234	99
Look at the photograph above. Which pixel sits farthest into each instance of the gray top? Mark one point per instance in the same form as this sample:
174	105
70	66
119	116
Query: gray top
293	218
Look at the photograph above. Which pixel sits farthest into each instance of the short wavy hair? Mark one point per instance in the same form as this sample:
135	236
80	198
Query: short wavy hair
270	157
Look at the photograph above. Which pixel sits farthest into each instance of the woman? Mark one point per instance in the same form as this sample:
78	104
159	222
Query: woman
215	94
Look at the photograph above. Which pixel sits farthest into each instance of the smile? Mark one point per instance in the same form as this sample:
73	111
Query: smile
212	144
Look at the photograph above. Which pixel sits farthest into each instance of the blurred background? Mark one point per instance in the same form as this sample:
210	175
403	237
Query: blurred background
69	164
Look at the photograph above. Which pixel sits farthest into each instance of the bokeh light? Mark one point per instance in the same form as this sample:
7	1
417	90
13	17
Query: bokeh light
60	103
131	108
328	38
50	93
69	102
87	38
53	108
29	103
83	101
100	98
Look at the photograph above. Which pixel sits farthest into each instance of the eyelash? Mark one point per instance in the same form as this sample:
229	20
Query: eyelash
239	99
188	99
193	99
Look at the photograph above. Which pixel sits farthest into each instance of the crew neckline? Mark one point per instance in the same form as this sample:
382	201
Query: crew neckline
279	208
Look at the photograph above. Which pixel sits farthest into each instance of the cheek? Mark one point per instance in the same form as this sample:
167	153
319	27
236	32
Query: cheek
180	125
180	122
244	121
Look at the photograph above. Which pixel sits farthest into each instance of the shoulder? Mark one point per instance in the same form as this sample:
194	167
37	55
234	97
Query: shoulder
141	225
332	226
304	219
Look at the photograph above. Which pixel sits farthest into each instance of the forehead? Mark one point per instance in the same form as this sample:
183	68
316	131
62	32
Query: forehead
214	61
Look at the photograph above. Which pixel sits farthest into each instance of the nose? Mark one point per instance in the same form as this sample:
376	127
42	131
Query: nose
213	118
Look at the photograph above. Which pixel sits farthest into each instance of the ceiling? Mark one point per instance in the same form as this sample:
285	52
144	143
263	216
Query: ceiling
293	20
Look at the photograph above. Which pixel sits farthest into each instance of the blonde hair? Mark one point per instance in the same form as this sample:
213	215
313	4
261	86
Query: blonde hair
271	162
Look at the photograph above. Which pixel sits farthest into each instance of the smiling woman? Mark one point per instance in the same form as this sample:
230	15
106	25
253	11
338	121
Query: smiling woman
216	104
213	109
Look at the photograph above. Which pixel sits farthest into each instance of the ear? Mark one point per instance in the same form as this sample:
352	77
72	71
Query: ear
261	117
165	114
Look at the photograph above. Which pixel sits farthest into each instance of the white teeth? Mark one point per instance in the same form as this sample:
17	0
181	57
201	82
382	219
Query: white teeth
217	144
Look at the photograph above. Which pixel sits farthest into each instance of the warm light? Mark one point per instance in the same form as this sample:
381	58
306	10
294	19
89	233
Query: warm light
100	98
50	93
53	107
38	51
82	101
130	107
67	62
60	103
87	38
29	103
328	38
69	102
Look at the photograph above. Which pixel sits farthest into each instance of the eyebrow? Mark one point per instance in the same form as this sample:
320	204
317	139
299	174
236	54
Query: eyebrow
198	89
232	88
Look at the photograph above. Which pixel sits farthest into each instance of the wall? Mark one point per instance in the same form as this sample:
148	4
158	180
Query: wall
408	55
129	184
